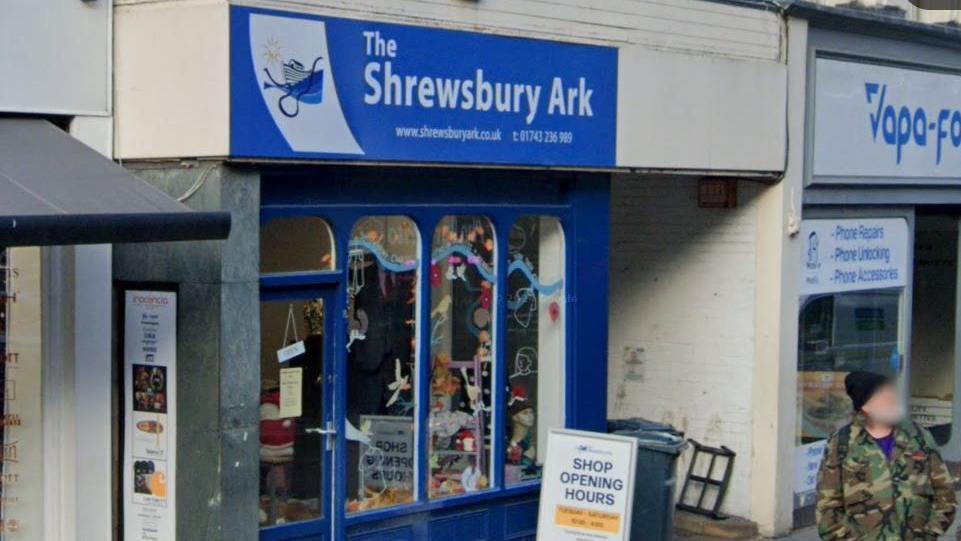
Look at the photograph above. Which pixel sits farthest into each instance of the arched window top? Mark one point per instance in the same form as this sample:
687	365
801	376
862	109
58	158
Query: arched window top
391	239
467	238
296	244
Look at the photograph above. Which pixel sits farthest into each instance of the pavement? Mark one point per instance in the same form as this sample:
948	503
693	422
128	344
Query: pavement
811	534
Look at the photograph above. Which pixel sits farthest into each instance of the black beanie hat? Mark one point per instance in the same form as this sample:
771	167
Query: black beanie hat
862	385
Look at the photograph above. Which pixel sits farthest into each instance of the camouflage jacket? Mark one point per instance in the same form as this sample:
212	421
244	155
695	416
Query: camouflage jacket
862	496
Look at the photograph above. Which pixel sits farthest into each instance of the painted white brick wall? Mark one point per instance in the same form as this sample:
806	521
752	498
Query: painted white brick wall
682	288
691	26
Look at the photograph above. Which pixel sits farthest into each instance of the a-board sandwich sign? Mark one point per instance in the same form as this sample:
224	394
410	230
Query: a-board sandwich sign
587	489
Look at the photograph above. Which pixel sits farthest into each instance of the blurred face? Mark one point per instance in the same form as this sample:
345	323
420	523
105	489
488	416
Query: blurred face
885	406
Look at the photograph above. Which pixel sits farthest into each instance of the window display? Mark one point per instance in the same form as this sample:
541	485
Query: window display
462	280
382	300
299	244
840	333
291	410
21	409
380	353
535	343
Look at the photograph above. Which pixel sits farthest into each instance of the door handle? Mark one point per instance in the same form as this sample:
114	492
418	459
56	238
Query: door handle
328	431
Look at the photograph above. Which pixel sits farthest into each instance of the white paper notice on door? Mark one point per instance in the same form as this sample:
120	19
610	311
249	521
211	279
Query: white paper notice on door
291	399
150	415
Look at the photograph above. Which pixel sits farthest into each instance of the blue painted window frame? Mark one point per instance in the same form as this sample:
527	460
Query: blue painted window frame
587	205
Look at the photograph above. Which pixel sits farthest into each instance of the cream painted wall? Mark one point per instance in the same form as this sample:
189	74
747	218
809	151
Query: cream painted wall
700	112
55	57
682	25
778	264
683	289
172	79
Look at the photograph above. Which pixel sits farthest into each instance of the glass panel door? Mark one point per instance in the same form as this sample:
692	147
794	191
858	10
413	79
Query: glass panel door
296	424
933	329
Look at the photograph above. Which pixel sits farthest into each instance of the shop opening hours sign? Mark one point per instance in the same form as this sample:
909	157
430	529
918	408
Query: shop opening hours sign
587	490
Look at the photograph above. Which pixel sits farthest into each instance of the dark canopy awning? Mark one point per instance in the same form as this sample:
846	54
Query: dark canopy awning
56	190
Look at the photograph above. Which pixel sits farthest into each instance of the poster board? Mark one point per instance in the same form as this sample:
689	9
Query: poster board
150	415
587	491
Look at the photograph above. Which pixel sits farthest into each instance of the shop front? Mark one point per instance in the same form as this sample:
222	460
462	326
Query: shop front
418	342
417	287
420	330
878	270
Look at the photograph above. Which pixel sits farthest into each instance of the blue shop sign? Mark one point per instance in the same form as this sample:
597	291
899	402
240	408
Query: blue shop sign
304	86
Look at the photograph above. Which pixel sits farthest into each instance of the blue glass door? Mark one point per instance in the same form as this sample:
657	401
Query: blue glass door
297	429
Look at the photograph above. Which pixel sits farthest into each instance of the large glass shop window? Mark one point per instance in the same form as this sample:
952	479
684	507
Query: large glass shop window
535	343
462	278
840	333
298	244
290	445
382	297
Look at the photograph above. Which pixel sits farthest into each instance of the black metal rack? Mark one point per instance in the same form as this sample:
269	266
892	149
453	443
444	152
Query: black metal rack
707	481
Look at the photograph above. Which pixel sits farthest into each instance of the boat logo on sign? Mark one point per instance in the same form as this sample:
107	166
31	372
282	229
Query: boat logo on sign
291	61
297	85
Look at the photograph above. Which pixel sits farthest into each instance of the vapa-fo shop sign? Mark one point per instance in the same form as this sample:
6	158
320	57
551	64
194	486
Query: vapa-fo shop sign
305	87
884	123
587	489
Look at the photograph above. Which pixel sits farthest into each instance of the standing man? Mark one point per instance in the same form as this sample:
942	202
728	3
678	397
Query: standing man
882	478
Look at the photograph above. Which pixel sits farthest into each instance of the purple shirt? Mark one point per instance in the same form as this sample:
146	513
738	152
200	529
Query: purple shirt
887	445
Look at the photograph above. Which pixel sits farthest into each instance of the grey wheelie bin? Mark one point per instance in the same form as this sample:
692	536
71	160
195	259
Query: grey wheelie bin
658	446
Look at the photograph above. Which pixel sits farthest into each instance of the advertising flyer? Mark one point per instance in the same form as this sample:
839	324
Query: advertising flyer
150	413
588	487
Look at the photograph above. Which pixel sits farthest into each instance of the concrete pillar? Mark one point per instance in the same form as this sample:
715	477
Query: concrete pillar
218	377
775	368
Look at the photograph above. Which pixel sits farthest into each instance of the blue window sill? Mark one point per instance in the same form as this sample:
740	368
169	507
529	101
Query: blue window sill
531	487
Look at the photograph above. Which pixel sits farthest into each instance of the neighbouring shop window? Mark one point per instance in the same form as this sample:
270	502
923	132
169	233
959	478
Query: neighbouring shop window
933	328
535	343
382	298
840	333
291	410
299	244
462	280
21	421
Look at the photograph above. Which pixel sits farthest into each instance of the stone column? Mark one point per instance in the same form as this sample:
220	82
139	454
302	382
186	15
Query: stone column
218	348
